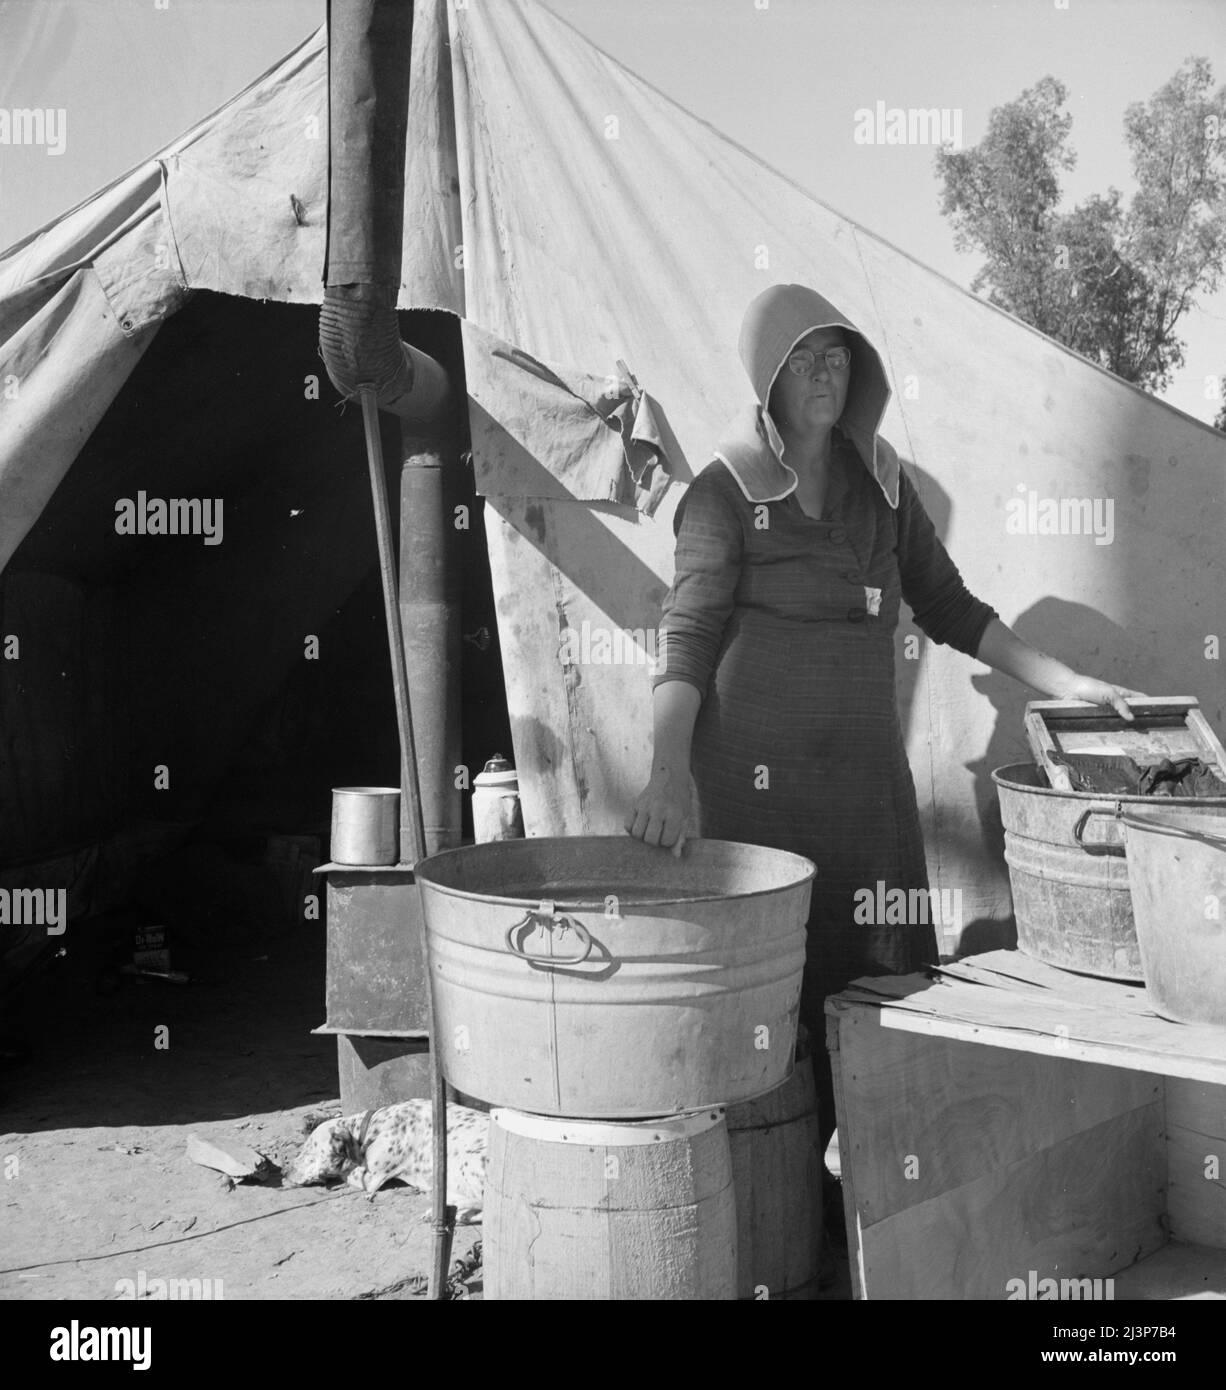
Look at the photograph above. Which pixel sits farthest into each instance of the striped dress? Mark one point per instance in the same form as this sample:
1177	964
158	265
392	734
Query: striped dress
786	625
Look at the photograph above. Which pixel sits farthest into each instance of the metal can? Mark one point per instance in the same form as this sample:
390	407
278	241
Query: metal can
497	814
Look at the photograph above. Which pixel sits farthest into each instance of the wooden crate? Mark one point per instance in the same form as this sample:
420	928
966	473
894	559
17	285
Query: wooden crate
1011	1121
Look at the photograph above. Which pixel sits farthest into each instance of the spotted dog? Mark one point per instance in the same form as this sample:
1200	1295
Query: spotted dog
396	1141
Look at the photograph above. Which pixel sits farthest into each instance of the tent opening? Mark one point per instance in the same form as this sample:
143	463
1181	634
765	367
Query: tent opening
184	703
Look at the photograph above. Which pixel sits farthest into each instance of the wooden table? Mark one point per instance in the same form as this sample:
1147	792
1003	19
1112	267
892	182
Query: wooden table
1007	1123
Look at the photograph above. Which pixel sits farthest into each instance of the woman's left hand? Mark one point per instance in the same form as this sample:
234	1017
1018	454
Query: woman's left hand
1096	692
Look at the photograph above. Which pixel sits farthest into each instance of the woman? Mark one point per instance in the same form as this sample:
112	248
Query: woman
774	685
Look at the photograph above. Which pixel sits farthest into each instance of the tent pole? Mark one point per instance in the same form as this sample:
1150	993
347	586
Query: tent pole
412	830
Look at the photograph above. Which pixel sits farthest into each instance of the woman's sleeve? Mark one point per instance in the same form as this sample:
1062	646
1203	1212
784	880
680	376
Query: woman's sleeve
710	544
944	608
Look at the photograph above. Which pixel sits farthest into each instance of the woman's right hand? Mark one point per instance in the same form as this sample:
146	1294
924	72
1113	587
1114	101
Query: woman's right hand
661	811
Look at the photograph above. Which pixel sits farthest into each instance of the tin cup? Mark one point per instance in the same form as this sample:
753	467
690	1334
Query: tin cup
365	825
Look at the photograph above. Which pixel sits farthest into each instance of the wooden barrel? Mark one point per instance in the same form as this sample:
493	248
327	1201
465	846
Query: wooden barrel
577	1209
777	1171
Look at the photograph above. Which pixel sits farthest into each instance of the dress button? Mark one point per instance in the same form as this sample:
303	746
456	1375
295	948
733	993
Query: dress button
856	615
838	535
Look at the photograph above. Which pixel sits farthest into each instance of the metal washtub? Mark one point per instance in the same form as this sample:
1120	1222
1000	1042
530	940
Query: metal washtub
601	977
1068	873
1177	868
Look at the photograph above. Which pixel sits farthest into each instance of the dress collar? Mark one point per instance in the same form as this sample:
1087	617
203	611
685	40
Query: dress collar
752	450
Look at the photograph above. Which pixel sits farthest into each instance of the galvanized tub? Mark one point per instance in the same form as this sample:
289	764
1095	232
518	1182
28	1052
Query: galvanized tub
1177	868
1065	852
603	978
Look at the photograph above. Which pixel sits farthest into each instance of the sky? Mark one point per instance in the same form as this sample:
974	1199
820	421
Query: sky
784	78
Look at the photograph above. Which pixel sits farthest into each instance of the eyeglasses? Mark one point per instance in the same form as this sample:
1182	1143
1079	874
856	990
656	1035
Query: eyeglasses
803	360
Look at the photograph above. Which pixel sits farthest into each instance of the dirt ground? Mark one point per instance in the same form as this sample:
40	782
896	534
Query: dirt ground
94	1123
97	1188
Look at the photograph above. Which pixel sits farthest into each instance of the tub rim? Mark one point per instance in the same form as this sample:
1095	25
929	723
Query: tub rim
1108	798
598	905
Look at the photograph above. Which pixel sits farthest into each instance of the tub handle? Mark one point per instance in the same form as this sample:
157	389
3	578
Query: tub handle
1110	840
547	917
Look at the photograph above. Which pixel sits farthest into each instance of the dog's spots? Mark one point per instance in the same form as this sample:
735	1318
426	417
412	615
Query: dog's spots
399	1144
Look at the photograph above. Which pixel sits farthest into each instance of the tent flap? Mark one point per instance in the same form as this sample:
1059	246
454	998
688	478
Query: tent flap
542	431
59	374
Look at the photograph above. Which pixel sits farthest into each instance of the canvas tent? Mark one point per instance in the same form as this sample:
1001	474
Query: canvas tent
571	218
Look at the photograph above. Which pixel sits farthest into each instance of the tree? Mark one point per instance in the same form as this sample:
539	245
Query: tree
1220	422
1108	281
